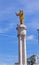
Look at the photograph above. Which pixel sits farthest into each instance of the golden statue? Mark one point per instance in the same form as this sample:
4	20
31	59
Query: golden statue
21	16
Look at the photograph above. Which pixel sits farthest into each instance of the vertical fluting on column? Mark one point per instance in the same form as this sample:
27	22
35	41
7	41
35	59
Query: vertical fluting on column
19	50
24	62
23	50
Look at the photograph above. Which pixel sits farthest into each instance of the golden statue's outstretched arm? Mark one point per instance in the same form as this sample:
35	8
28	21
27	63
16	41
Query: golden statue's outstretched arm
17	14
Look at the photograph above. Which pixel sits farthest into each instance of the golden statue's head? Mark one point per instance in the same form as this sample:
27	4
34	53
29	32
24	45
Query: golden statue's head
21	11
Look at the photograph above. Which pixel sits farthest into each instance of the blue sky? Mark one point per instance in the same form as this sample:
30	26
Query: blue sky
8	33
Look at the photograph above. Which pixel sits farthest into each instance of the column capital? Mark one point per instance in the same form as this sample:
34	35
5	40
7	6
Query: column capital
21	26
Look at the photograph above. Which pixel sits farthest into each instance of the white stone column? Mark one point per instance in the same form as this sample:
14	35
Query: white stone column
21	44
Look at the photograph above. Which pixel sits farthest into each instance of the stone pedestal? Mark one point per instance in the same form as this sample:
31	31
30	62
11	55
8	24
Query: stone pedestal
21	34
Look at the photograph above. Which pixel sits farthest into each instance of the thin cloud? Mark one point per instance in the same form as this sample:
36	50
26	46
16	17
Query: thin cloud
31	37
8	28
